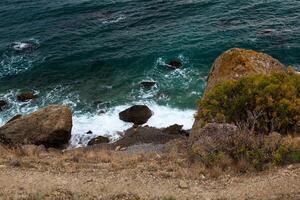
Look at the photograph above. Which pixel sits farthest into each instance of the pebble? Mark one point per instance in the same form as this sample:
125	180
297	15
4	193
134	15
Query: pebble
183	185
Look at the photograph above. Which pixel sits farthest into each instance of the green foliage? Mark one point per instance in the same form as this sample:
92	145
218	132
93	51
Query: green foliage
263	103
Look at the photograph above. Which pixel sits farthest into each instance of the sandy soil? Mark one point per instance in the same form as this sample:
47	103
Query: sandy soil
102	183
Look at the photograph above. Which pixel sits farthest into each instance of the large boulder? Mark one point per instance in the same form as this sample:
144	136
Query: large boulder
138	114
50	126
236	63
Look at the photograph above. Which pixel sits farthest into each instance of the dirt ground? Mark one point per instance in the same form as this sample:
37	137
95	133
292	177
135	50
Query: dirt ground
85	176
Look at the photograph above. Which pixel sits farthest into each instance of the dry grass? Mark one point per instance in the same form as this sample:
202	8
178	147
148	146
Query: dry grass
174	162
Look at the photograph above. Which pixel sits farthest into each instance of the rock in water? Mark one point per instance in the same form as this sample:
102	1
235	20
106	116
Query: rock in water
175	64
147	84
3	104
26	96
138	114
50	126
98	140
236	63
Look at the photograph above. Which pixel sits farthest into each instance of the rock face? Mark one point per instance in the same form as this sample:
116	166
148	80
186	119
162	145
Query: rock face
50	126
236	63
98	140
138	114
26	96
3	104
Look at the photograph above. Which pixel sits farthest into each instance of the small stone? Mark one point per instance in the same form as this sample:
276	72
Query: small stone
26	96
183	185
123	149
290	167
202	177
118	148
89	132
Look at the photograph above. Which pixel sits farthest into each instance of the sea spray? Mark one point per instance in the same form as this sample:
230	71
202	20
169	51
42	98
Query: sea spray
109	124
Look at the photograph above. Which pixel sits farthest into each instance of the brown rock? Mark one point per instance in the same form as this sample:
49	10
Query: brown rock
98	140
138	114
26	96
236	63
50	126
3	104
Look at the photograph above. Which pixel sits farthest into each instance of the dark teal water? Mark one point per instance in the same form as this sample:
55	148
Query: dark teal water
93	54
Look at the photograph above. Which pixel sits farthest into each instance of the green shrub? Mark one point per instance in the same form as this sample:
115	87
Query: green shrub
262	103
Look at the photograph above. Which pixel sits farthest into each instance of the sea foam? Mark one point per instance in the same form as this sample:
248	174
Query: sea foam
109	124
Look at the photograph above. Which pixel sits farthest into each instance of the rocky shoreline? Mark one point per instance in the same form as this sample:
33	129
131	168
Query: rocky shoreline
51	126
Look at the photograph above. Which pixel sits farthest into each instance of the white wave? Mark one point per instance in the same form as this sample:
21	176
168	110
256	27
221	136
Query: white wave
109	124
112	21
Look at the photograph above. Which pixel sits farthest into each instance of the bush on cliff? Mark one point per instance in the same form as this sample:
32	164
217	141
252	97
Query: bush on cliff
244	151
260	103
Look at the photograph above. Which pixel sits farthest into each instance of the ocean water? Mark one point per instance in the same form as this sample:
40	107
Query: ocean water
92	55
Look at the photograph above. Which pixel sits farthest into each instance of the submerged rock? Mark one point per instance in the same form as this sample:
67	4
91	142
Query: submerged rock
26	96
147	84
3	104
50	126
138	114
98	140
175	64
